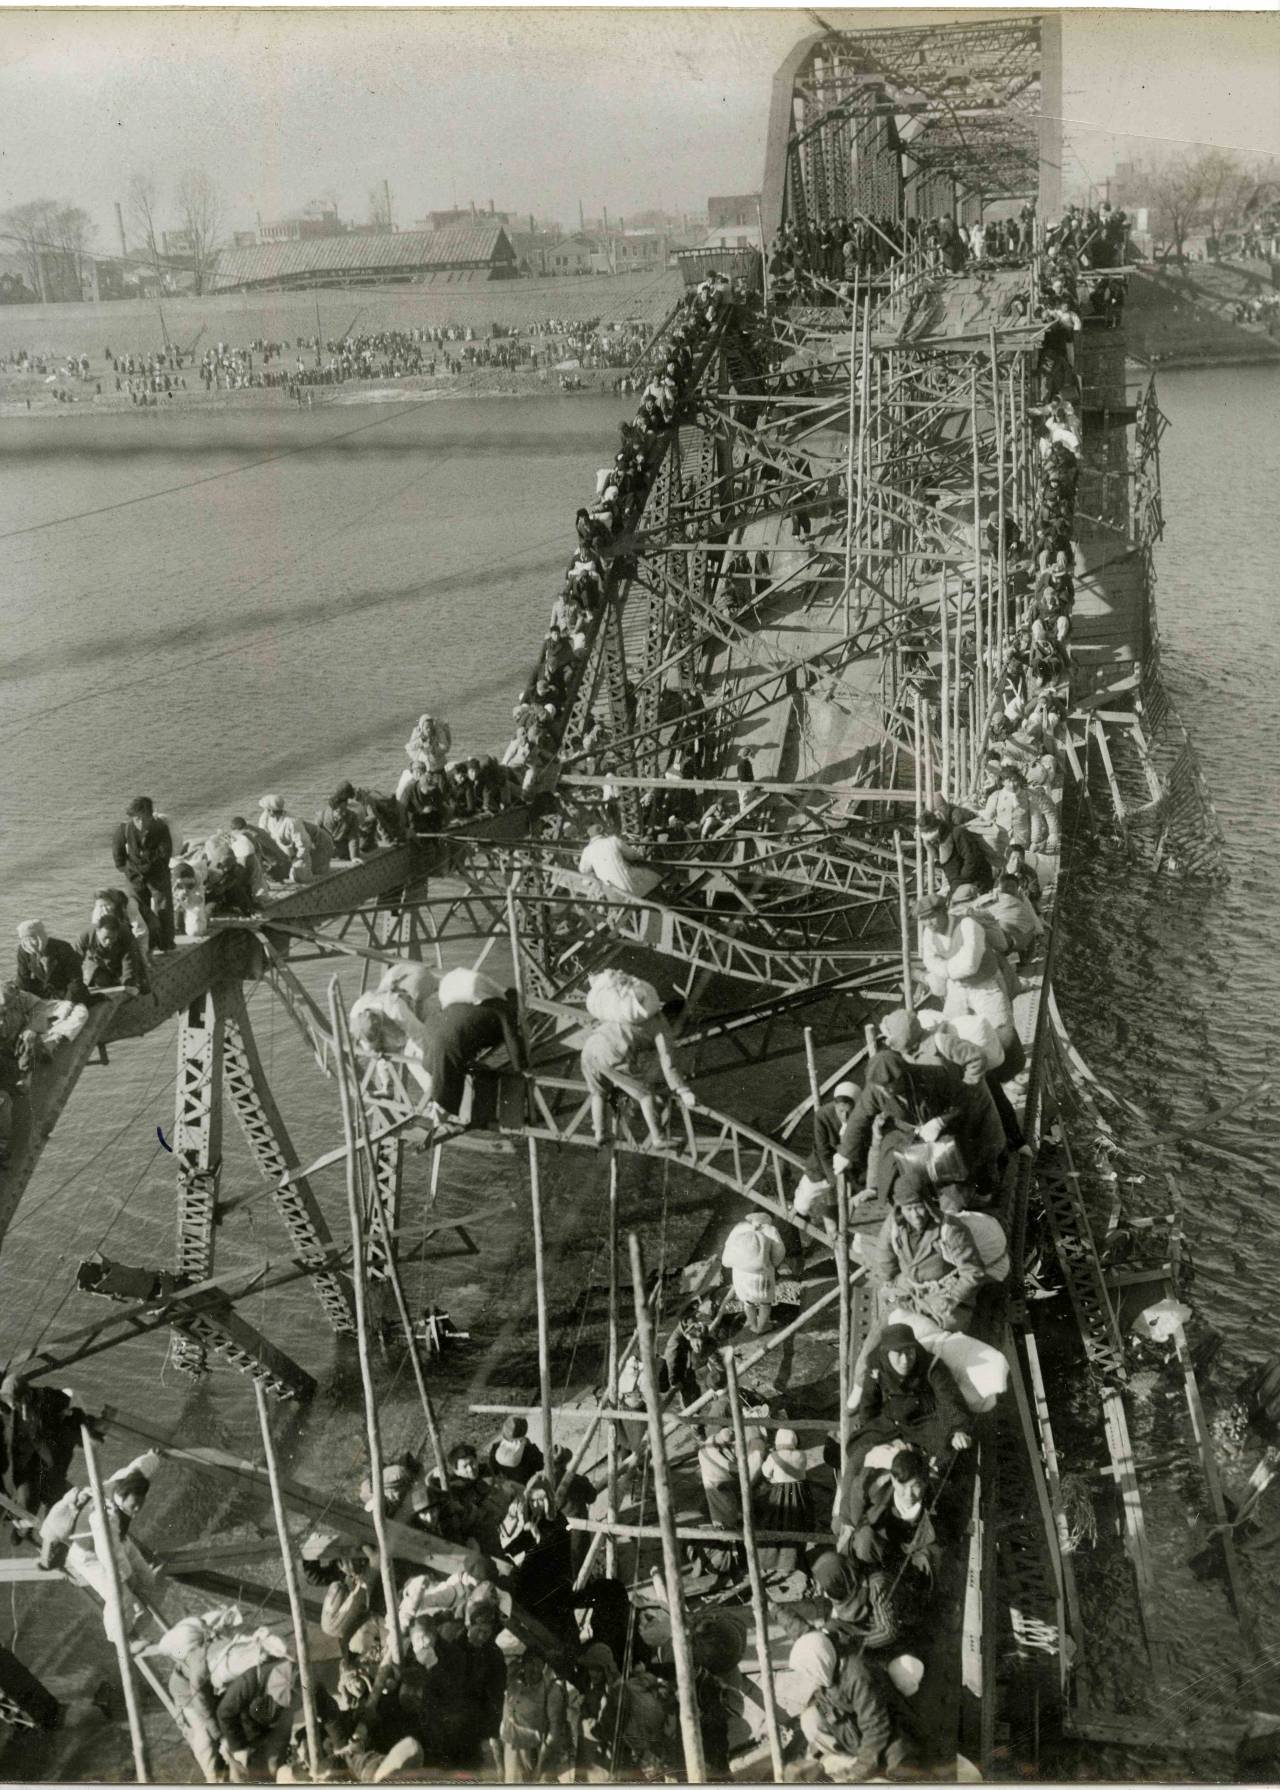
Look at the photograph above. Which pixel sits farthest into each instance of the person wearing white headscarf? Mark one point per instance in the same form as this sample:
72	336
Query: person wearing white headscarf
845	1717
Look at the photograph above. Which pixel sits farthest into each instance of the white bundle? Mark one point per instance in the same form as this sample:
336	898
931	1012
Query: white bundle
466	988
980	1372
615	995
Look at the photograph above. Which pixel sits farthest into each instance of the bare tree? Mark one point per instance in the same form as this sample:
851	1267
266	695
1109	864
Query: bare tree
144	198
1177	193
32	228
200	211
1223	180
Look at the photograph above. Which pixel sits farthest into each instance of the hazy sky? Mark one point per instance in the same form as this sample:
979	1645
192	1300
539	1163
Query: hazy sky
535	109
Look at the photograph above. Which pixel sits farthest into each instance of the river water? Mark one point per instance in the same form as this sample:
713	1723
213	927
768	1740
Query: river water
309	583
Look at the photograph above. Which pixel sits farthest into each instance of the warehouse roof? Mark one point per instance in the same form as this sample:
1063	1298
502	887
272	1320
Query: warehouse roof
478	243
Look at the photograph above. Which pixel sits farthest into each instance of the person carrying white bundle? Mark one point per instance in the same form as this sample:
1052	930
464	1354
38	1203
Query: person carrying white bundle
634	1053
386	1026
73	1536
753	1253
607	857
962	966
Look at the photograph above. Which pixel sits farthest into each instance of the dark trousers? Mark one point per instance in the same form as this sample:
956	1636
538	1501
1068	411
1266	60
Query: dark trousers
154	896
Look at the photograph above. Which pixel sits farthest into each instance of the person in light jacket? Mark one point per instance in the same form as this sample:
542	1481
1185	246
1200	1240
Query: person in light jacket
962	966
290	837
753	1252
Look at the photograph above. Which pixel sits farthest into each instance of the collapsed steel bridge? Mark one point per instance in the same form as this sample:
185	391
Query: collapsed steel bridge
813	583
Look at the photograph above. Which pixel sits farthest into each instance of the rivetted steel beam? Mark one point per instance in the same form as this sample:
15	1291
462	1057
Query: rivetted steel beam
275	1155
197	1143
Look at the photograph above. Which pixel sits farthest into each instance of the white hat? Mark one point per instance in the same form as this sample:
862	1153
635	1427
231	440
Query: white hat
845	1090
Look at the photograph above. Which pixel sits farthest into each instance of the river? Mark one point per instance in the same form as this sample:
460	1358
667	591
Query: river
305	585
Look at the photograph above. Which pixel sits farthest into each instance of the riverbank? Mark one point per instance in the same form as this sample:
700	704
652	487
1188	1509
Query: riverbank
1181	317
29	396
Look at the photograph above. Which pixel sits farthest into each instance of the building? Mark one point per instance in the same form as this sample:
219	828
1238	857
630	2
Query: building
735	211
478	250
319	218
630	251
568	254
441	220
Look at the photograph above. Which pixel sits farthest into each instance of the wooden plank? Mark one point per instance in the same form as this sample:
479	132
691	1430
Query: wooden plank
1213	1485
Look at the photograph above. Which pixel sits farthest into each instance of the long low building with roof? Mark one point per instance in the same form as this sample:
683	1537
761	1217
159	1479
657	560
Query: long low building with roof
477	250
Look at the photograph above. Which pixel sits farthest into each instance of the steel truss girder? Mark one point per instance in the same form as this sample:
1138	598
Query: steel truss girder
273	1151
673	934
197	1143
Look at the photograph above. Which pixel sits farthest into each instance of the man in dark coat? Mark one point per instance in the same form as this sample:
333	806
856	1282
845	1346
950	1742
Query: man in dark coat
457	1036
142	848
907	1396
815	1195
48	968
957	853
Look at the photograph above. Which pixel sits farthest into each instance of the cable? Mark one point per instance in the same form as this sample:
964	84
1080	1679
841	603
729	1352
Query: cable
125	503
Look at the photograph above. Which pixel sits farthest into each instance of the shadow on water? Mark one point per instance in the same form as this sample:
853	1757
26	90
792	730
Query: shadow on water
250	629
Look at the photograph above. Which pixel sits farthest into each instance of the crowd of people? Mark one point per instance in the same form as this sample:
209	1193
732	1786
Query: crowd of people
294	366
856	1547
175	887
804	259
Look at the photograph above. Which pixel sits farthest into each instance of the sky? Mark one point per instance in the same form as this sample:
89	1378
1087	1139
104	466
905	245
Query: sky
539	110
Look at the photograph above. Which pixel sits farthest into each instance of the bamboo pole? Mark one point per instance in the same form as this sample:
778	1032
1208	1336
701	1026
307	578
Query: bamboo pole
114	1600
355	1218
904	922
397	1284
852	493
811	1062
759	1606
844	1291
930	781
918	758
611	1393
300	1642
682	1652
946	687
540	1288
957	695
979	642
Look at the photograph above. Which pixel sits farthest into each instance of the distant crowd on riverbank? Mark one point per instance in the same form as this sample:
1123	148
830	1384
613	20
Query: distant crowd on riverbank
152	378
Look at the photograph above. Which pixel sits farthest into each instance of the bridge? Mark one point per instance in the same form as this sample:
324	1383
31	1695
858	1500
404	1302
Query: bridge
819	578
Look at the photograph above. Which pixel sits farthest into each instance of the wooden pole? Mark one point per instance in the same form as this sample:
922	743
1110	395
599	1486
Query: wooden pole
979	642
611	1434
682	1652
355	1218
811	1060
540	1286
397	1291
917	753
845	1327
957	694
114	1600
904	920
759	1605
300	1642
850	524
930	781
946	687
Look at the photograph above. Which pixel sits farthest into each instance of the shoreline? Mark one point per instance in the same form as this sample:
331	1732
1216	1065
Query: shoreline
415	387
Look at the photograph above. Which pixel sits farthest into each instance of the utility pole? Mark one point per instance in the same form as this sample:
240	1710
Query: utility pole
386	195
120	227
